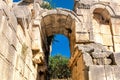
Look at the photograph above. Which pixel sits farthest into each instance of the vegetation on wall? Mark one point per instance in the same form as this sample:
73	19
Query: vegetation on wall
24	50
58	68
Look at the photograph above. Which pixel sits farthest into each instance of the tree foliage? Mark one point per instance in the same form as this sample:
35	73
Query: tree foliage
58	68
47	5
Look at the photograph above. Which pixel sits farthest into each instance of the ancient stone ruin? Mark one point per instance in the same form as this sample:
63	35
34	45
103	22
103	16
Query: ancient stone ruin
26	32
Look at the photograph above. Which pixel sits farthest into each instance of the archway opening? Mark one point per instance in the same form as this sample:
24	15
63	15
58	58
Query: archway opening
60	45
59	57
57	23
102	28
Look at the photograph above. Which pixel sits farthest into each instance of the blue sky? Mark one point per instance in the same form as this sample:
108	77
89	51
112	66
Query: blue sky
68	4
62	46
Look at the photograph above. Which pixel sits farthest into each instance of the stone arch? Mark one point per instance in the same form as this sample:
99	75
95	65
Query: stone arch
50	22
101	21
104	6
60	21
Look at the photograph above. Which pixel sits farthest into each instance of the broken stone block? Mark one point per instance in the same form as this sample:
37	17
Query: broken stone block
97	47
86	48
101	54
98	55
97	72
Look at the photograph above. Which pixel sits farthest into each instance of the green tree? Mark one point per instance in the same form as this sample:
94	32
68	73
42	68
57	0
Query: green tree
58	68
47	5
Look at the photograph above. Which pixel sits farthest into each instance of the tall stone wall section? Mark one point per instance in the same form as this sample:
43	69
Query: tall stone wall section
97	59
101	19
15	47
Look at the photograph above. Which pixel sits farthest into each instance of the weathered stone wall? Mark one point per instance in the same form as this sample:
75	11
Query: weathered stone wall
26	32
15	47
93	62
100	21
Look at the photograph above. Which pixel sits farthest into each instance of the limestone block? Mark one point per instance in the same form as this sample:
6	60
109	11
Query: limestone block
87	59
96	26
107	40
29	56
2	22
21	12
98	38
20	34
9	2
6	68
97	47
48	20
117	39
61	21
17	75
3	48
105	29
117	58
36	39
108	72
101	54
78	27
9	14
117	47
86	48
28	39
97	72
10	72
11	55
78	11
49	31
1	67
116	29
20	64
10	34
116	72
26	72
82	36
32	77
117	8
